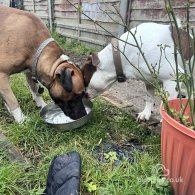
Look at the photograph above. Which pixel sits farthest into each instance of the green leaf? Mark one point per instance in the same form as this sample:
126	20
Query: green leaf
106	156
113	156
185	117
91	187
163	182
152	179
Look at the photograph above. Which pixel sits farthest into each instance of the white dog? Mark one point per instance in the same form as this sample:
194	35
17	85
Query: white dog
157	44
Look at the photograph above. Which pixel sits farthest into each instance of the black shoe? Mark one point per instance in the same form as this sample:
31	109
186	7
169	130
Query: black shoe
64	175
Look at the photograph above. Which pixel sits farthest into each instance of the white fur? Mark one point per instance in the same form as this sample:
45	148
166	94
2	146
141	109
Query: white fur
39	100
64	57
18	115
151	38
146	113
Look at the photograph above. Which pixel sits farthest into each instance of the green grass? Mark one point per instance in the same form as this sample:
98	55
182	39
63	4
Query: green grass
40	143
73	46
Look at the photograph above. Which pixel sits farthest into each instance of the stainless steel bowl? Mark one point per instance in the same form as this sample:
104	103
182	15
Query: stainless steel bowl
53	110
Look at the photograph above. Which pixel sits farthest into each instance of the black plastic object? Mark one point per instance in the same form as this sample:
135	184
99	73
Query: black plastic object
64	175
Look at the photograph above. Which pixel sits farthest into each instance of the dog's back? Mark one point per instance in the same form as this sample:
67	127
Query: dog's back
20	34
155	42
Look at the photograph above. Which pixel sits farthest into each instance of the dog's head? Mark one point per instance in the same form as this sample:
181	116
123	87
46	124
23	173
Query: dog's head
68	89
98	75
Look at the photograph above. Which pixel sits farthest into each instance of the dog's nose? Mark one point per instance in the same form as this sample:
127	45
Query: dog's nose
83	94
86	95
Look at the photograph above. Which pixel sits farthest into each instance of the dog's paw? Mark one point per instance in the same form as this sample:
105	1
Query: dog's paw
25	121
18	115
40	102
143	116
21	119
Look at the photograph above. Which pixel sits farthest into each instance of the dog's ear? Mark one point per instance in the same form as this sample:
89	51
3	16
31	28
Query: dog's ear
94	58
65	76
89	68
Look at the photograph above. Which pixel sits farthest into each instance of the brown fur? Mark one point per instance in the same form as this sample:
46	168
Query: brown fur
187	52
89	67
21	33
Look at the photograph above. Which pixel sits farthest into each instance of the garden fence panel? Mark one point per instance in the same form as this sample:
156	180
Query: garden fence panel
70	23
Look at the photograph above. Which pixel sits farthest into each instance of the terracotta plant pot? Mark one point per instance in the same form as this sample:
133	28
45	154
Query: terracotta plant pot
178	152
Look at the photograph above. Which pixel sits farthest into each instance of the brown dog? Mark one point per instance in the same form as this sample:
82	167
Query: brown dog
22	36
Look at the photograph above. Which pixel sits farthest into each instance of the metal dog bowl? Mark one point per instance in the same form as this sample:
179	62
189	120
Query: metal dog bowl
53	115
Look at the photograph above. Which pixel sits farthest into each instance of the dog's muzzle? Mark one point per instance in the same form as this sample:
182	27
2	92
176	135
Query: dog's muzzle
73	108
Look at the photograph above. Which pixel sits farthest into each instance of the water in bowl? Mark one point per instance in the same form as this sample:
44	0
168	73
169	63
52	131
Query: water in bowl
56	116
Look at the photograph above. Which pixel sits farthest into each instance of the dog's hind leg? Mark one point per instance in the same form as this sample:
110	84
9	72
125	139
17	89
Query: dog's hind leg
34	87
10	100
149	107
170	87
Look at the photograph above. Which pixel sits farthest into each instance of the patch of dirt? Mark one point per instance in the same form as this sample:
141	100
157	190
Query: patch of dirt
130	97
106	152
132	93
76	58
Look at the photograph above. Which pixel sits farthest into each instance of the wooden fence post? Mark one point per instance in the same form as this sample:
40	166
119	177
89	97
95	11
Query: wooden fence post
33	6
50	15
79	19
124	4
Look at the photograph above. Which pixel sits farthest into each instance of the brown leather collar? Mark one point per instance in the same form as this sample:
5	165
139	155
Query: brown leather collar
117	60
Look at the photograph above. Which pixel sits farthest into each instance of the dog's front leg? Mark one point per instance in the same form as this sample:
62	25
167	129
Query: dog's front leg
149	107
34	90
10	99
